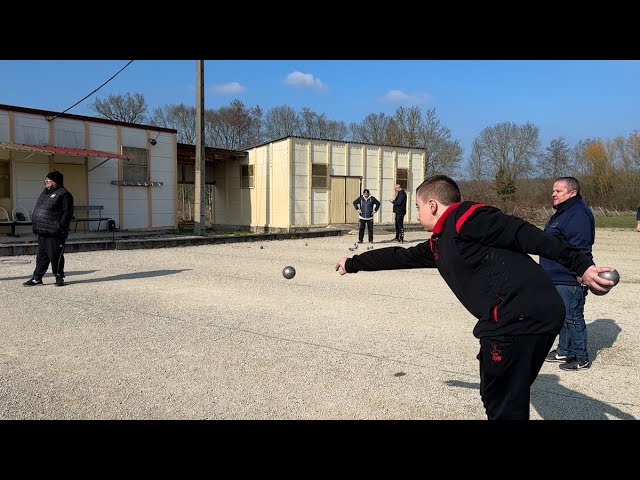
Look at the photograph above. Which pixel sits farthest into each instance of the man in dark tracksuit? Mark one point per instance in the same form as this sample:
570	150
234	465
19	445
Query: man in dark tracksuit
399	210
483	255
51	218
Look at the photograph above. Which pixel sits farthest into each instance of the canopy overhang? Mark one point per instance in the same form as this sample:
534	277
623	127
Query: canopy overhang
53	150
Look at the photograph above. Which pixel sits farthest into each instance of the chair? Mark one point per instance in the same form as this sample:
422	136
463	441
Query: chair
21	215
4	216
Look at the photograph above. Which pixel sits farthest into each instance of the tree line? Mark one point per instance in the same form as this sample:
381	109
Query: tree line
507	164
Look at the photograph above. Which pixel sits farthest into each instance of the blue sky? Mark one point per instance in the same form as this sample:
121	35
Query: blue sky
576	99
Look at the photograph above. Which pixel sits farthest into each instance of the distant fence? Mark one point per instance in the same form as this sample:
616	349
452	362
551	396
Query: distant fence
542	214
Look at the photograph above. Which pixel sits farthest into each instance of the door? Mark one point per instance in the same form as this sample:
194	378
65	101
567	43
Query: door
75	181
344	190
337	212
353	186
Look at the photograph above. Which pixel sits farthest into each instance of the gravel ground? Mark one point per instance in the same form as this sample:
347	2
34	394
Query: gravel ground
216	332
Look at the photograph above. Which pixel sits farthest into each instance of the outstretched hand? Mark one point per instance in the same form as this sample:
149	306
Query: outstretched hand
591	278
340	266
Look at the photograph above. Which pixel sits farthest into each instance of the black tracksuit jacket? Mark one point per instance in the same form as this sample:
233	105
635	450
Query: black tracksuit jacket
483	255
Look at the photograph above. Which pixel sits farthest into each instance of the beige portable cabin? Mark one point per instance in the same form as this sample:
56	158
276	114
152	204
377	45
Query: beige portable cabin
128	169
295	183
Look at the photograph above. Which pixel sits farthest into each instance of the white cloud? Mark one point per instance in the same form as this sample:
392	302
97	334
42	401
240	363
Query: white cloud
306	80
231	87
398	96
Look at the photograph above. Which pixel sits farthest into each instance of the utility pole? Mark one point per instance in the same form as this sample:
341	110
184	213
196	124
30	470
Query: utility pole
199	219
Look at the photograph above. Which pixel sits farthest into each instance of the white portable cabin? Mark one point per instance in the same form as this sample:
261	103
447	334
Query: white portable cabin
295	183
128	169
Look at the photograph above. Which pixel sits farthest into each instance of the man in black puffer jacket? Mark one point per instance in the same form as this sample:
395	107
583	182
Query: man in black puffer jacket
51	218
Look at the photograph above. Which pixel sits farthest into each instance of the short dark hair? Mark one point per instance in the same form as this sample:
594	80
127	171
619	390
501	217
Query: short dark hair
442	188
572	183
366	190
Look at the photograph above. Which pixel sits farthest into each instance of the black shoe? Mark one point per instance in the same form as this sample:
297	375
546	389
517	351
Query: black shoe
359	241
60	282
370	241
554	356
576	364
32	282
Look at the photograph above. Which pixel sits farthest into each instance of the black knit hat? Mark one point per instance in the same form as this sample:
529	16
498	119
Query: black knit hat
56	176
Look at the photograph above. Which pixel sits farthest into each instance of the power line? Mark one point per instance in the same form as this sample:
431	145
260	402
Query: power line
79	101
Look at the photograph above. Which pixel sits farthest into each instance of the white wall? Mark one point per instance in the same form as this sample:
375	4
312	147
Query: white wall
163	169
31	129
100	173
4	126
68	133
27	175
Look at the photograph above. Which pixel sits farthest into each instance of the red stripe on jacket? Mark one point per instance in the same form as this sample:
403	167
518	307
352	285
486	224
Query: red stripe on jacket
467	214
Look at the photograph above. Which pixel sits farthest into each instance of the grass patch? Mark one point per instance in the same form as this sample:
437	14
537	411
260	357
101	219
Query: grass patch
625	220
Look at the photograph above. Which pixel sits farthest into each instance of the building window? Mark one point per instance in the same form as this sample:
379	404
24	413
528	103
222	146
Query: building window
319	174
187	174
246	176
135	169
5	191
402	177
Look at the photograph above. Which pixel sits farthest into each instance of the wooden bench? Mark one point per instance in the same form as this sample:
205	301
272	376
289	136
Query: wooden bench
88	217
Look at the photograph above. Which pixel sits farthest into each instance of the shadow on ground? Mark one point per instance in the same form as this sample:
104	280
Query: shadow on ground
129	276
602	333
29	271
553	401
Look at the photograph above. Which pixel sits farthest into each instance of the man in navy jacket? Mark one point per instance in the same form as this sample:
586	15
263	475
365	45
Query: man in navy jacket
366	205
483	255
574	223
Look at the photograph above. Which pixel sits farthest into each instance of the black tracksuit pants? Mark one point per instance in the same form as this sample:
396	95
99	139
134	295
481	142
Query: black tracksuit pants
369	225
400	226
50	250
508	367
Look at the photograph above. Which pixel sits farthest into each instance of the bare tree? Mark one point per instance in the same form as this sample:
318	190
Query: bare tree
373	129
410	125
180	117
407	128
632	148
185	197
476	167
315	125
282	121
393	133
334	130
507	150
130	107
555	161
309	123
443	154
235	127
631	170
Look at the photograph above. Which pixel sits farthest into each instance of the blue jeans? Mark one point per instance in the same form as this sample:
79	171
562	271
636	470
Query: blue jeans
572	340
